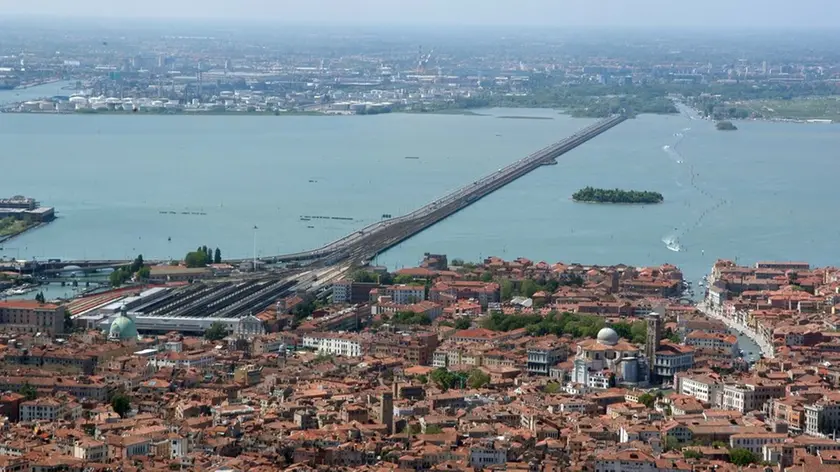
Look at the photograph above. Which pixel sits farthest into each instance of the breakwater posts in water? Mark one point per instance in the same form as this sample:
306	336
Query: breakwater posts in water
714	312
342	218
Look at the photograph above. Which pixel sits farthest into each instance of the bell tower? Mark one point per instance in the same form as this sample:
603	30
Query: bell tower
654	338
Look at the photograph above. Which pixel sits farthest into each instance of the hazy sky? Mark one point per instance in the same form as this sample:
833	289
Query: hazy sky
674	13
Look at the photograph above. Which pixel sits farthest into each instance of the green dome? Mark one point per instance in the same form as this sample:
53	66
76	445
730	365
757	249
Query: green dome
122	328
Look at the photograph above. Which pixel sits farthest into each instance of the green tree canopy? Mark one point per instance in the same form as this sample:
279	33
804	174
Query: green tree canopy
444	379
121	404
600	195
506	289
403	279
29	392
411	318
671	444
528	288
566	323
363	276
119	276
196	259
478	379
692	454
647	400
216	331
137	264
463	323
144	273
742	457
217	257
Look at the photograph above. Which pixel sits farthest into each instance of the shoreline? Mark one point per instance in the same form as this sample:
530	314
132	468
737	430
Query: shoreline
804	121
37	84
4	239
616	203
10	109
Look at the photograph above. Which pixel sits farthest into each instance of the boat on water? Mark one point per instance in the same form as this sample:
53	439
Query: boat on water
412	157
673	245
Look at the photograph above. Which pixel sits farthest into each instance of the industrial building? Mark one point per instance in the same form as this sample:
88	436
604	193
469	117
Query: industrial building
192	309
20	207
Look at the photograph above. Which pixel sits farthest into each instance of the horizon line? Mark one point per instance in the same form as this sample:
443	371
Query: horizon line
390	24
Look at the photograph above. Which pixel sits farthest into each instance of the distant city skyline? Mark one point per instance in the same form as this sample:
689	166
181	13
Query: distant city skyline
712	14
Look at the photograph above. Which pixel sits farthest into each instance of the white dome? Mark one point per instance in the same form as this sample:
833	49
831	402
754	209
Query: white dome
608	337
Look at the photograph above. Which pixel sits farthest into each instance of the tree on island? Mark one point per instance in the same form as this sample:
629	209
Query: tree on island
725	126
600	195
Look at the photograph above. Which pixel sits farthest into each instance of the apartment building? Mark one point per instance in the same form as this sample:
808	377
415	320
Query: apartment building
702	387
751	396
702	340
544	354
823	417
25	316
404	294
336	344
754	442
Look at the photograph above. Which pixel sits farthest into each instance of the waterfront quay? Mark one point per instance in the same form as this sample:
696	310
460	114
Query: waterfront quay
19	214
786	308
736	323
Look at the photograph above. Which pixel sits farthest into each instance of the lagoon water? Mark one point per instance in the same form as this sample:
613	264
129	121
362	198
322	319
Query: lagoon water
766	191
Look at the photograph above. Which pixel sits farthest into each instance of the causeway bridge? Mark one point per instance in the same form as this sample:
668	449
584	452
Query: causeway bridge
363	245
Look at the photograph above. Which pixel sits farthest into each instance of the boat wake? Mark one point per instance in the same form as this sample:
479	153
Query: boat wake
672	241
672	244
673	154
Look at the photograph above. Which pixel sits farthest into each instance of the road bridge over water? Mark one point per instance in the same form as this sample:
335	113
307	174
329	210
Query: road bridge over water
364	244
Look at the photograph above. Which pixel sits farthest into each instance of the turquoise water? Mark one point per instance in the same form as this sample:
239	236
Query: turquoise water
763	192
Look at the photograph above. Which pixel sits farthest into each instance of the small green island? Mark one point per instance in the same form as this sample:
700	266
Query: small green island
725	126
602	195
